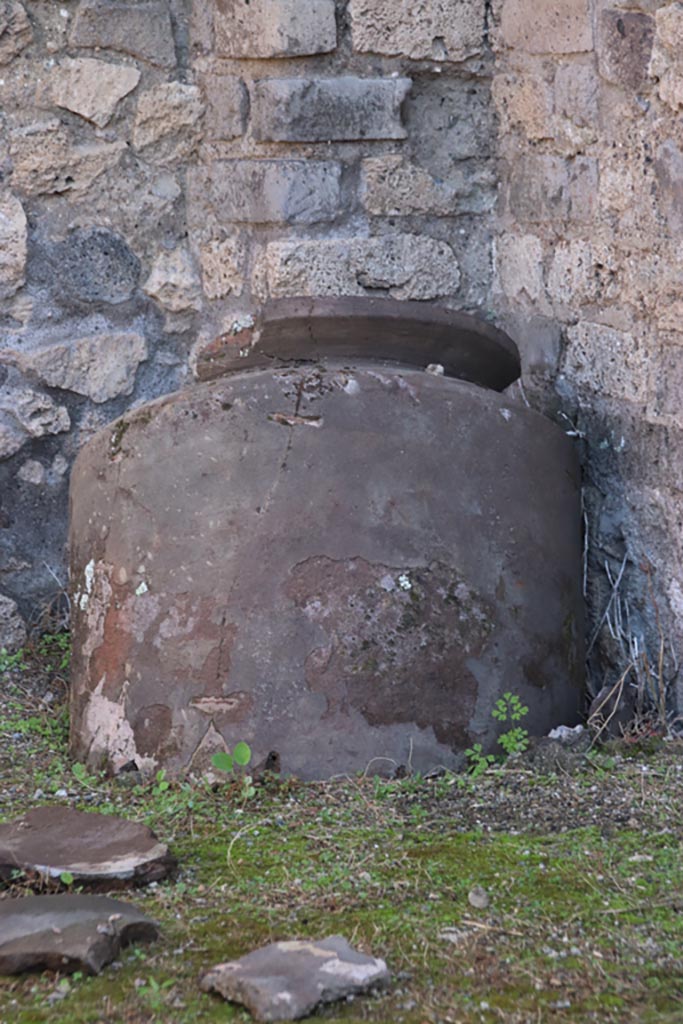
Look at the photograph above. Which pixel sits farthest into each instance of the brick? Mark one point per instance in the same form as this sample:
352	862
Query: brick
327	109
226	106
267	191
440	30
141	29
564	27
403	266
274	28
624	47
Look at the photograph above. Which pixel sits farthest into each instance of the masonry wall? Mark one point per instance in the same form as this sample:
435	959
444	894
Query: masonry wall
167	166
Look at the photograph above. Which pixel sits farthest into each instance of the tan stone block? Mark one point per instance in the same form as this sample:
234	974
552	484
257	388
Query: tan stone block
610	363
576	93
274	28
100	366
403	266
439	30
546	27
91	88
577	276
44	161
140	28
524	103
12	245
222	264
666	64
174	281
167	118
227	103
665	403
519	271
394	187
15	30
624	47
549	188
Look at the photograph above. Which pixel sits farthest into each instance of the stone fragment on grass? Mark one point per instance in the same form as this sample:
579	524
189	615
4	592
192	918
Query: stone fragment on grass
12	626
68	933
51	841
288	980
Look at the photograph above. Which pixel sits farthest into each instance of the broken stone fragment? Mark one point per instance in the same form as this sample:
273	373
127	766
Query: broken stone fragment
25	413
92	88
13	233
68	933
287	980
174	281
15	30
12	626
50	841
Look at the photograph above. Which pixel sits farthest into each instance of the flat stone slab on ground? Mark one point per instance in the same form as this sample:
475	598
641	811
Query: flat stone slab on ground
287	980
68	933
50	841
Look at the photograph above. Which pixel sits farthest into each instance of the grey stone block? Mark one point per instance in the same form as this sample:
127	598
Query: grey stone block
267	191
96	265
274	28
326	109
141	29
227	103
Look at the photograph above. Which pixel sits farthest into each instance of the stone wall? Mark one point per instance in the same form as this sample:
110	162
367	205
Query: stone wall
589	266
167	166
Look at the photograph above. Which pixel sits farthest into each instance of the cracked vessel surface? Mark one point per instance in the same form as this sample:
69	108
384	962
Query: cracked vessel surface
366	588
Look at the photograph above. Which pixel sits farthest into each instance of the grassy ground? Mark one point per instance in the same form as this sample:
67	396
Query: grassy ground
584	877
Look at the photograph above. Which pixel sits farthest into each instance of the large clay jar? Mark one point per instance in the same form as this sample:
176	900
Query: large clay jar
335	551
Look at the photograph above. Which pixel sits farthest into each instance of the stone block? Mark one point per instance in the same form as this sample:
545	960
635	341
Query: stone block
12	626
624	47
394	187
12	245
667	372
174	281
538	189
222	264
571	278
582	190
44	160
91	88
403	266
519	271
274	28
141	29
524	102
576	93
167	117
100	366
666	64
15	30
545	28
328	109
266	191
601	360
227	103
438	30
93	265
25	413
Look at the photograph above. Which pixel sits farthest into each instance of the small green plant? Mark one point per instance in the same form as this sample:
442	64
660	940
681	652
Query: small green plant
241	756
155	994
478	761
9	661
509	708
55	650
66	878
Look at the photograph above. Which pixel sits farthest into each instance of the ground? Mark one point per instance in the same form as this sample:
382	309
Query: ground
583	874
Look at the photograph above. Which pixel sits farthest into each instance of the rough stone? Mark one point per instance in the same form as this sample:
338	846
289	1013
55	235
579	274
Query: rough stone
32	472
438	30
607	362
576	93
165	112
404	266
227	102
274	28
50	841
222	264
288	980
141	29
328	109
91	88
174	281
100	366
572	277
524	102
12	245
266	191
45	161
394	187
549	188
68	933
519	270
545	28
666	64
15	30
12	626
25	413
624	47
94	265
